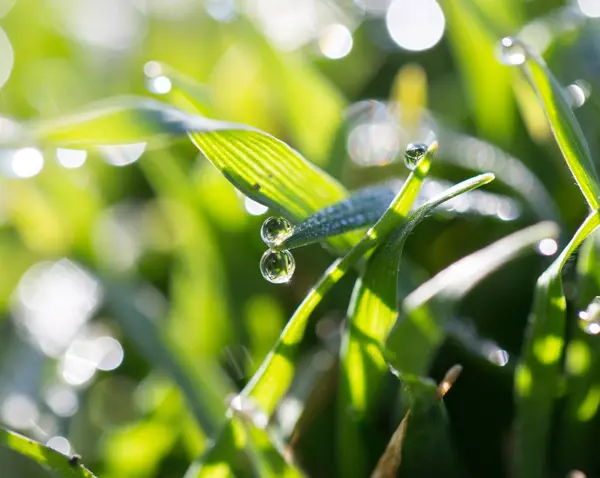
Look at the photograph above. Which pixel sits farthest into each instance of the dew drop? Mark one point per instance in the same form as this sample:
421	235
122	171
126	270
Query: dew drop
511	52
413	154
275	229
277	266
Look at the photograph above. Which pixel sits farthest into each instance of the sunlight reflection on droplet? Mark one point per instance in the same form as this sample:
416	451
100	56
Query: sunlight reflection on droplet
547	247
578	93
6	58
159	85
246	407
335	41
592	328
415	25
60	444
499	357
19	411
576	474
590	8
122	155
254	208
53	301
62	400
27	162
583	315
71	158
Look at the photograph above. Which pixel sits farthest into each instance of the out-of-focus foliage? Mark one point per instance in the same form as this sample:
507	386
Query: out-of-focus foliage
143	143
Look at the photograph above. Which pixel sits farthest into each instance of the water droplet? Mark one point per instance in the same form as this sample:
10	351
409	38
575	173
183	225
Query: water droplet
275	229
277	266
413	154
511	52
578	93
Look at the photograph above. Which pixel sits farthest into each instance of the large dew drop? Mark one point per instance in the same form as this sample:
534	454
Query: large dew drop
274	230
277	266
413	154
511	52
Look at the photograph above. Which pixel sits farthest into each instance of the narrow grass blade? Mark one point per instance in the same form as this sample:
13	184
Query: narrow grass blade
418	332
275	374
537	376
487	83
564	125
422	434
582	366
372	313
259	165
63	466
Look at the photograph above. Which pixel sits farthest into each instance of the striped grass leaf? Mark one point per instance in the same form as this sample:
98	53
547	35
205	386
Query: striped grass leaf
564	125
274	376
258	164
419	331
372	313
61	465
538	374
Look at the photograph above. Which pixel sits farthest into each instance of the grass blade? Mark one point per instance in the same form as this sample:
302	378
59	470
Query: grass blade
275	374
372	313
48	458
564	125
582	370
259	165
418	332
538	374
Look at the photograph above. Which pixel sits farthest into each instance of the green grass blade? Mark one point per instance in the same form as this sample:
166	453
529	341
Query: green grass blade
47	457
418	332
275	374
538	374
372	313
259	165
564	125
582	369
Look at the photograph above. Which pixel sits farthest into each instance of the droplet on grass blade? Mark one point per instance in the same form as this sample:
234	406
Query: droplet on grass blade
275	229
413	154
277	266
511	51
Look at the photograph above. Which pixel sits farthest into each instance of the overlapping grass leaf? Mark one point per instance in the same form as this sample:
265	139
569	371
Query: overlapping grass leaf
419	330
372	313
537	376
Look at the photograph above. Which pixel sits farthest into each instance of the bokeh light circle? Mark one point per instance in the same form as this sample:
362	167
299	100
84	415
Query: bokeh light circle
415	25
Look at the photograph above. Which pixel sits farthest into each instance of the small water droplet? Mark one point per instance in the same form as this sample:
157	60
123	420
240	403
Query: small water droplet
277	266
511	52
275	229
578	93
413	154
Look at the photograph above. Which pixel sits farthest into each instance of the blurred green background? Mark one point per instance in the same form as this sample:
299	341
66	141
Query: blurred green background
79	366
